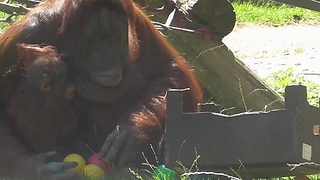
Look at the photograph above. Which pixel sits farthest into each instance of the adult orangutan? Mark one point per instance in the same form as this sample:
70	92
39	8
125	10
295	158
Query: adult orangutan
121	67
40	108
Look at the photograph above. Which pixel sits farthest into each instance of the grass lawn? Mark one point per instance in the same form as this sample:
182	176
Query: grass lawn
270	14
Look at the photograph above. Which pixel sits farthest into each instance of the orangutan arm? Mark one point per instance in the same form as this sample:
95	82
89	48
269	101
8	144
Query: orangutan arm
16	162
145	121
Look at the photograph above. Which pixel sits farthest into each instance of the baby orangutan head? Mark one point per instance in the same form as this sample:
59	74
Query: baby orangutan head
45	69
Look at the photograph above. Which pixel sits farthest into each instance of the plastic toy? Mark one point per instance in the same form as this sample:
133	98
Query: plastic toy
163	173
94	159
75	158
92	171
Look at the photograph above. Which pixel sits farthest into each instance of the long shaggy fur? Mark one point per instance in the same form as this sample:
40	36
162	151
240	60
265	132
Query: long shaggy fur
155	67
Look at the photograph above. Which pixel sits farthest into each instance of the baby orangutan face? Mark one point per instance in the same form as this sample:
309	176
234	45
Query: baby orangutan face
50	77
45	70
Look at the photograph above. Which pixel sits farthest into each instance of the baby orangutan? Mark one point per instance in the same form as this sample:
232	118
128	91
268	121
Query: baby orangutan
40	108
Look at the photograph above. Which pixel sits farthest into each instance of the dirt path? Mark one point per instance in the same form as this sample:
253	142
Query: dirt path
269	49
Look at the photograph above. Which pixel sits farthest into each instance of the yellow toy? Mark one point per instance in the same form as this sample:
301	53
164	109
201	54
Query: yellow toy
92	171
75	158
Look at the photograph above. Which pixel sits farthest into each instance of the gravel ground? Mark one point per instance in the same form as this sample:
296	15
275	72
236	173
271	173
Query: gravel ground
269	49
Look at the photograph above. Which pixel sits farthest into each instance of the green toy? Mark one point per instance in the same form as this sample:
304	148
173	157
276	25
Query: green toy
163	173
53	163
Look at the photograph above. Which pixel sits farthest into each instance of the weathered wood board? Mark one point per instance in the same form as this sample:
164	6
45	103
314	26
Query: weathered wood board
253	144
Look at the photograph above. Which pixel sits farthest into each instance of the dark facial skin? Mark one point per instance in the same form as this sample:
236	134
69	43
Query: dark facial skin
102	71
102	64
45	70
50	78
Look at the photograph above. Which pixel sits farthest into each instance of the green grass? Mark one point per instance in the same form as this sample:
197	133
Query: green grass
271	14
279	80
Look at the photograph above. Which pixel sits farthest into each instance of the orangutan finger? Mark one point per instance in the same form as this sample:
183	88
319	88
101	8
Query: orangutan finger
61	166
126	153
107	144
116	147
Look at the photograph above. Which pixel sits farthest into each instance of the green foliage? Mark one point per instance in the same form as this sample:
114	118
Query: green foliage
270	14
279	80
3	25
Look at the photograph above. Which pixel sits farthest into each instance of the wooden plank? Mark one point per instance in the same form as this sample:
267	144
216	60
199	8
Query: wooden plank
254	144
308	4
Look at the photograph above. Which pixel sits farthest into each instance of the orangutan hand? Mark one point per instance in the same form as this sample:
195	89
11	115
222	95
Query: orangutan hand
121	147
37	167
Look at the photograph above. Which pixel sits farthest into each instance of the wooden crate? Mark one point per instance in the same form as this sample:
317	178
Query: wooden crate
254	144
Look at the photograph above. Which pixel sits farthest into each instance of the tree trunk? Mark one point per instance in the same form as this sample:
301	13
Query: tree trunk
229	81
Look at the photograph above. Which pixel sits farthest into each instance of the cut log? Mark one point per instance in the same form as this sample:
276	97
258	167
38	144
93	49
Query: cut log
229	81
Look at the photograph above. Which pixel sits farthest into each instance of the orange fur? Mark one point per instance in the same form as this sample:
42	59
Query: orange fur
41	117
155	67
